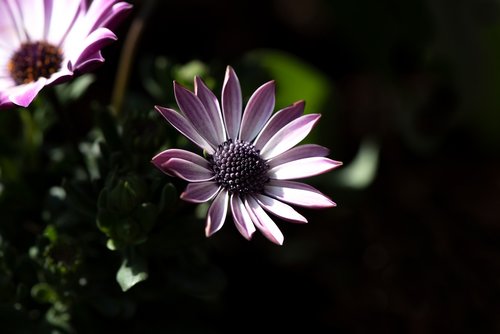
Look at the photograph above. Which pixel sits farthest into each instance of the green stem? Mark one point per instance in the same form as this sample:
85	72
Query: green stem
128	54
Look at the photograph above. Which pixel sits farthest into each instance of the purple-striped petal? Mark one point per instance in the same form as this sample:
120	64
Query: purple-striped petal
32	12
289	136
217	213
212	107
241	217
5	102
11	25
280	209
61	17
298	169
263	222
102	13
23	95
63	75
47	14
183	126
89	63
200	192
187	170
192	108
297	193
231	103
114	15
162	157
258	110
278	121
299	152
90	45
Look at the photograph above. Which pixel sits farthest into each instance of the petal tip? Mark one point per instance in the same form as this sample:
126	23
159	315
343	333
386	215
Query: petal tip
248	236
299	104
230	73
331	204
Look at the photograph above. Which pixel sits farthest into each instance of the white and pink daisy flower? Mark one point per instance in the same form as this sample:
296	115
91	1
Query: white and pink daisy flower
45	42
251	157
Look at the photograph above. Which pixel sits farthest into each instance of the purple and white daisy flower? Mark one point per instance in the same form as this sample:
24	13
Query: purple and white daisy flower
45	42
251	156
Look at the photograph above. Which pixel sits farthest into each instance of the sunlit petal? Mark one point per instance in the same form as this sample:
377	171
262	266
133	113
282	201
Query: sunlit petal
43	42
217	213
241	217
263	222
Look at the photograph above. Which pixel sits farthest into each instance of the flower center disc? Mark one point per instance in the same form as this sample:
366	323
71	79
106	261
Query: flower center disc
34	60
239	168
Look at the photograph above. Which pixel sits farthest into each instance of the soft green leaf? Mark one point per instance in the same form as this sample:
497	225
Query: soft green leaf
132	271
44	293
75	88
50	233
185	73
295	79
361	172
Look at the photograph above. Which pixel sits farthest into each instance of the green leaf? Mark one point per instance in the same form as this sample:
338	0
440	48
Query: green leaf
75	89
362	170
295	79
185	73
50	233
132	271
44	293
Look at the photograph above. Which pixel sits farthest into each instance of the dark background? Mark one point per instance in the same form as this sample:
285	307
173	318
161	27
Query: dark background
414	250
409	97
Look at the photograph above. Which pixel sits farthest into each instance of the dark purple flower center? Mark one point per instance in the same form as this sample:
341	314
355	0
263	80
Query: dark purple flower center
239	168
34	60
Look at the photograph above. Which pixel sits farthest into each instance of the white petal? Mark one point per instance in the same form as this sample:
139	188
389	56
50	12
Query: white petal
11	26
63	16
301	168
297	193
231	103
280	209
263	222
6	83
259	108
289	136
200	192
242	219
23	95
164	156
277	122
187	170
299	152
185	127
32	12
217	213
194	110
212	106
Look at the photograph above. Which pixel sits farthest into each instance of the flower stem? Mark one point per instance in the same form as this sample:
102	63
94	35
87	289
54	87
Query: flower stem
127	56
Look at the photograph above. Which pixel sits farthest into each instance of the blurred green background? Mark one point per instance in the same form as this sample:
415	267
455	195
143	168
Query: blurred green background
409	93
